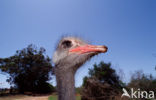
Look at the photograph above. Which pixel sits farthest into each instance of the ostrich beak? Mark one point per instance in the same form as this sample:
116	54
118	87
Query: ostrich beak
89	49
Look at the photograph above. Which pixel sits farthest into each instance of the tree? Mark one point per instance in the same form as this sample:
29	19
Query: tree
29	69
142	81
102	83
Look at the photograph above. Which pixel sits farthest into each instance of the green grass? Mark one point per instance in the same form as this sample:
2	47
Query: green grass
54	97
78	97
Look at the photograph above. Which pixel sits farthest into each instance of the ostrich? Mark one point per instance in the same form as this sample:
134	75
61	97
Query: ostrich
70	54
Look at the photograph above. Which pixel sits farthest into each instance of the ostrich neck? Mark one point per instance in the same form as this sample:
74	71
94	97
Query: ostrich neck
65	83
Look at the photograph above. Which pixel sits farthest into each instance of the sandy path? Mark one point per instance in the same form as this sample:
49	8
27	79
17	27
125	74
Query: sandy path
24	97
35	98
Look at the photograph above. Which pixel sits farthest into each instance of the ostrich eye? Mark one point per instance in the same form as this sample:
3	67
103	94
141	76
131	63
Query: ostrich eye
66	44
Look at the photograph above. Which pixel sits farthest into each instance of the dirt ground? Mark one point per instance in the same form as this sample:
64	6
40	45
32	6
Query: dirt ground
24	97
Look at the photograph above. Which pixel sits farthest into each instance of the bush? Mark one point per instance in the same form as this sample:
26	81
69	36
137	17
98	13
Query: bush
102	84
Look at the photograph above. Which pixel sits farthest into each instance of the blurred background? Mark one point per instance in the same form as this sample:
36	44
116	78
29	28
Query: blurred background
128	28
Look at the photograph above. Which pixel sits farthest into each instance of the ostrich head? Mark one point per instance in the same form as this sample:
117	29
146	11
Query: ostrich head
72	52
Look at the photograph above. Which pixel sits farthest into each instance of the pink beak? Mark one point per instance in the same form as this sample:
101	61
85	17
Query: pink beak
89	48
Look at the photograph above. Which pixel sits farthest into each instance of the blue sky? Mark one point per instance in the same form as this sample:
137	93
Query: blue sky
127	27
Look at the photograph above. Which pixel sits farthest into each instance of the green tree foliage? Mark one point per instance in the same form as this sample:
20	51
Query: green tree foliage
104	74
29	69
102	83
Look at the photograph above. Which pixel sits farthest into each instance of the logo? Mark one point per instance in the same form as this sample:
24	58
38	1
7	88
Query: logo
125	93
138	94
